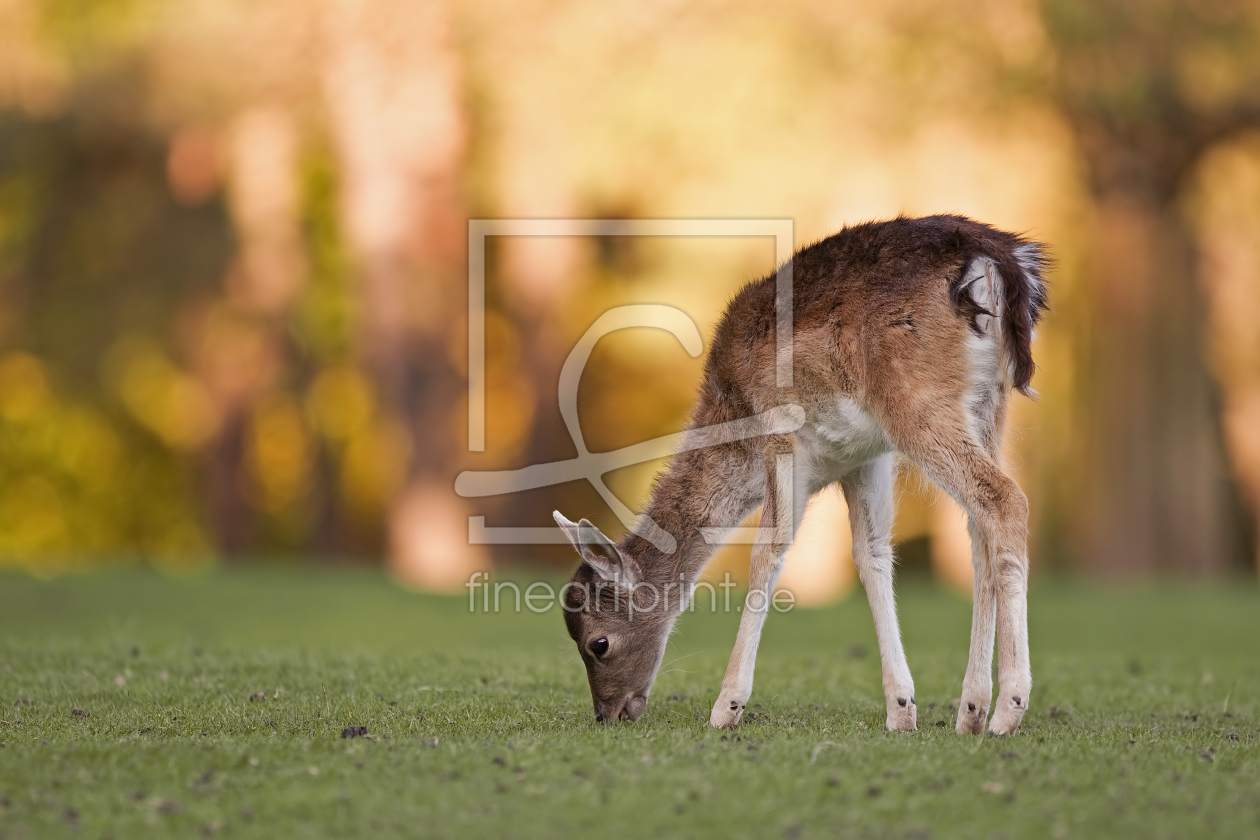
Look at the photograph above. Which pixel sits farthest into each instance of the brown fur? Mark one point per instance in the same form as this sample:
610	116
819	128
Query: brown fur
882	317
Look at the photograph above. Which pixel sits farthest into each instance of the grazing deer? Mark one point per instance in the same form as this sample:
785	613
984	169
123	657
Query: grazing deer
907	337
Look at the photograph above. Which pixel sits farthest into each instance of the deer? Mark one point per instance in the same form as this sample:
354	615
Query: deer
907	338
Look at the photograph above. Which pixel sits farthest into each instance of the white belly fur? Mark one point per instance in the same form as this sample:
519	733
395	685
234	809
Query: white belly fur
838	441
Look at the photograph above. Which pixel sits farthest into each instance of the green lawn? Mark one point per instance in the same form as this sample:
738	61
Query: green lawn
1145	720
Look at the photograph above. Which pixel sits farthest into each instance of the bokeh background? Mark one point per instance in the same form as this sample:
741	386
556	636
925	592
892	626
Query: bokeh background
233	260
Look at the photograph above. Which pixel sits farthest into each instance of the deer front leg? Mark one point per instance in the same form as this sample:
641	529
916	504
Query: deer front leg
869	494
977	690
738	682
778	524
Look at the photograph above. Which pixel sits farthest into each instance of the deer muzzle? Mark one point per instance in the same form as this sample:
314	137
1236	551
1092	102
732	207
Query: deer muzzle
628	708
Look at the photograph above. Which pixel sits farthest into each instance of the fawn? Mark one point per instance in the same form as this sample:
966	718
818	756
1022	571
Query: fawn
907	337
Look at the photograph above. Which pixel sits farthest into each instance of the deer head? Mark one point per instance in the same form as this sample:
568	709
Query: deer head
618	620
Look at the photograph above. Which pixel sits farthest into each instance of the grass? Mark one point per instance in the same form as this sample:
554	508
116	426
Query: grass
1145	720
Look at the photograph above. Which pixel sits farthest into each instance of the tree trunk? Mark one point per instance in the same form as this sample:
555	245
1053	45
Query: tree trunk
242	348
1151	490
391	80
1155	494
231	517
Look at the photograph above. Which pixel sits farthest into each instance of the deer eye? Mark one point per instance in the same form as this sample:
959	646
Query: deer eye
599	647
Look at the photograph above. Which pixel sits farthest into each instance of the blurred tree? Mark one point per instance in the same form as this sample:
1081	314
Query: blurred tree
230	90
1148	88
392	80
1227	215
232	247
94	258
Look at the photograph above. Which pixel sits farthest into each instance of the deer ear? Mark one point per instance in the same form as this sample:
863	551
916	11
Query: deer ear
598	551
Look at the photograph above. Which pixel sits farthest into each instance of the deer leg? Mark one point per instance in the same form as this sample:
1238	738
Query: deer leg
779	519
977	690
948	453
1014	674
869	493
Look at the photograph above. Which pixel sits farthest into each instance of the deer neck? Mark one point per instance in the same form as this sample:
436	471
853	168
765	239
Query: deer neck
683	500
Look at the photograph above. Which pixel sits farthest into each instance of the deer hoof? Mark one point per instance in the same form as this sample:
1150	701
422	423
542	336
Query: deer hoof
1007	716
726	713
970	719
902	715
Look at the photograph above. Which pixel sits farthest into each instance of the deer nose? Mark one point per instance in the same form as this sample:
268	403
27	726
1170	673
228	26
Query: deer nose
631	709
611	711
634	707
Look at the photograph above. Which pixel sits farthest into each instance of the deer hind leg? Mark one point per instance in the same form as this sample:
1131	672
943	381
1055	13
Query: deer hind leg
945	447
781	514
869	493
1009	572
977	688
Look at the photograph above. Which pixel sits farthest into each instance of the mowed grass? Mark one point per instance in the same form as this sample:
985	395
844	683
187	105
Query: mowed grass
215	707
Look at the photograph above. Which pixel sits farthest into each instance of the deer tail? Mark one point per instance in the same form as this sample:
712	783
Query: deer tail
1006	283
